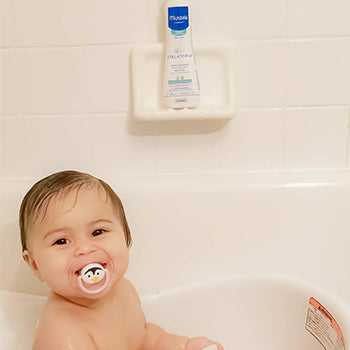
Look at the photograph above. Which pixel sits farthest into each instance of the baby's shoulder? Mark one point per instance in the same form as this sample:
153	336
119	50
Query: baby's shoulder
127	289
128	299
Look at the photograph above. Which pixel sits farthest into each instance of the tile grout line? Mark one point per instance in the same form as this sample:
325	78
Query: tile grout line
285	87
131	44
347	140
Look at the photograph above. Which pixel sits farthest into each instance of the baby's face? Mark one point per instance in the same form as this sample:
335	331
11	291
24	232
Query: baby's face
78	229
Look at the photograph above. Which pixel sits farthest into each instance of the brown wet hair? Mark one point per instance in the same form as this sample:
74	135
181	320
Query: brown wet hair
37	199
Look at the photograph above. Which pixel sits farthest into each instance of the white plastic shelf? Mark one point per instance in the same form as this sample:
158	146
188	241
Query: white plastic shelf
215	64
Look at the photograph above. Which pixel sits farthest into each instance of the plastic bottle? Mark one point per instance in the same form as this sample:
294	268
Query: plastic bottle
181	83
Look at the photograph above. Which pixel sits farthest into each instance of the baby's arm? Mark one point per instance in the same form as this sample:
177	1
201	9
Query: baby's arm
156	338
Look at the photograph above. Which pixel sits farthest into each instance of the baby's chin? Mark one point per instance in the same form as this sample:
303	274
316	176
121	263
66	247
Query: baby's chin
77	296
74	293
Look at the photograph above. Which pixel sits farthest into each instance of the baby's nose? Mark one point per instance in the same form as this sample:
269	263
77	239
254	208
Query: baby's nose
84	248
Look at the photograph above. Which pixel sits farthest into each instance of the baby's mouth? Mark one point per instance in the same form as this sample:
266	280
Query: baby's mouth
93	278
78	272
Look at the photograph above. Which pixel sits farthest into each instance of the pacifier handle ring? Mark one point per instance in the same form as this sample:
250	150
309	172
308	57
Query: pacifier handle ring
84	289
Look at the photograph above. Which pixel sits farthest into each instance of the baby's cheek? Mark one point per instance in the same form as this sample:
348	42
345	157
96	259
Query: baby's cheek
122	262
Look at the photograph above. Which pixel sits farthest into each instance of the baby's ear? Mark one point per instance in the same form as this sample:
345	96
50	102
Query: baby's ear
28	257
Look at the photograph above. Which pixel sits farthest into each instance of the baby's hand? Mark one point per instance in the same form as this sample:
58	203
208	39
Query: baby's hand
202	343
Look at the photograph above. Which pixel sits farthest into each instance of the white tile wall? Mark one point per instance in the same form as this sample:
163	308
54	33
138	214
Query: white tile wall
12	146
66	80
249	19
105	79
318	72
114	21
197	143
6	28
316	137
8	93
318	18
47	81
260	73
120	145
46	23
259	19
110	144
40	145
253	140
65	88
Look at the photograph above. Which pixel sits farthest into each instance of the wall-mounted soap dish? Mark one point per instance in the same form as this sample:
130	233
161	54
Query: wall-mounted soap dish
215	64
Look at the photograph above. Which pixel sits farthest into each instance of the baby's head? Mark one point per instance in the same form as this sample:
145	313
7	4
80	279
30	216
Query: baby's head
71	222
37	199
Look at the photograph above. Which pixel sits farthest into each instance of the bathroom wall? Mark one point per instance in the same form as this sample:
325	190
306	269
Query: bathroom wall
65	88
66	94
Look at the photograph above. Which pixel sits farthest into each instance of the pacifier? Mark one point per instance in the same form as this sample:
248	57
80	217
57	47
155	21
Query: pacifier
91	274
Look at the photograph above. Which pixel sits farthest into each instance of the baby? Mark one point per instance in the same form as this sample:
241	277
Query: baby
76	239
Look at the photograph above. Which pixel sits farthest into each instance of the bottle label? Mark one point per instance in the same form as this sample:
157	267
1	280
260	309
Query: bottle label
178	19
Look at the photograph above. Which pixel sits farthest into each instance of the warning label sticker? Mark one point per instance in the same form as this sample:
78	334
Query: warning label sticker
322	325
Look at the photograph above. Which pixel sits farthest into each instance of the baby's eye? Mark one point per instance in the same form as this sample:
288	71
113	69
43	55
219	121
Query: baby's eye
61	241
98	232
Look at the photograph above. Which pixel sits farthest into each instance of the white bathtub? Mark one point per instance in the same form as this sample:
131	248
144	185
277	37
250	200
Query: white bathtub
191	228
261	313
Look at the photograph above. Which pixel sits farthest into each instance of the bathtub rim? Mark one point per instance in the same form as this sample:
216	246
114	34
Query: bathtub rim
340	308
